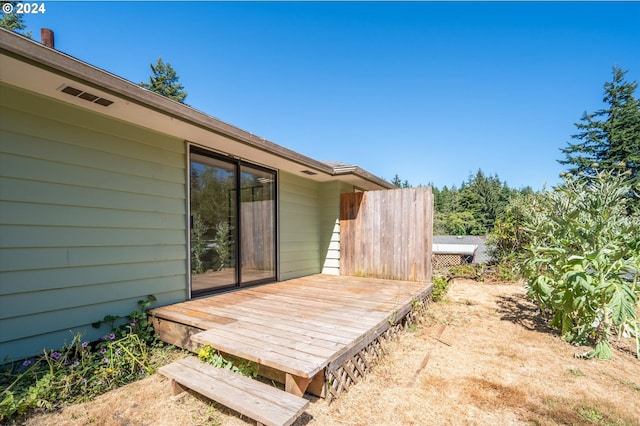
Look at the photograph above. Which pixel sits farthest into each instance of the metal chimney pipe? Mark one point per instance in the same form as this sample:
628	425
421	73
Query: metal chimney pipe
46	36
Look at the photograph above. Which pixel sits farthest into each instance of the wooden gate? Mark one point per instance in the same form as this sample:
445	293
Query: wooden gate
387	234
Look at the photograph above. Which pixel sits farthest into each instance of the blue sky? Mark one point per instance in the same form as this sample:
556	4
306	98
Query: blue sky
430	91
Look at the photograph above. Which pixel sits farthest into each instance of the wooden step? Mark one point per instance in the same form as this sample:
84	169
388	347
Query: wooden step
263	403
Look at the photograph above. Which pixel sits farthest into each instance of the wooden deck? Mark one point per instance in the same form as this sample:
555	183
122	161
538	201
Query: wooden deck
294	329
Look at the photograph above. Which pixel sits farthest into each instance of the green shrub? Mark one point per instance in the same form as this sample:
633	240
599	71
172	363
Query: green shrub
440	288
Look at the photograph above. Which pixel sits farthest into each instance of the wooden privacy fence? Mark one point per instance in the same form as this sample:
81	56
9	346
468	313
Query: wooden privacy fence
387	234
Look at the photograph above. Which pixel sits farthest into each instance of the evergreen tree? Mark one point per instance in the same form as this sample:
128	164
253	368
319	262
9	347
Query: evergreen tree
485	197
400	183
164	81
610	137
13	21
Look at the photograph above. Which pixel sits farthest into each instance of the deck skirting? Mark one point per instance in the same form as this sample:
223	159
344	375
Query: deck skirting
346	371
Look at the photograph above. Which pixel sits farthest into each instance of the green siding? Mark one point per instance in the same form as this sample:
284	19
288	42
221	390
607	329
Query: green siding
330	225
92	219
309	226
45	279
299	219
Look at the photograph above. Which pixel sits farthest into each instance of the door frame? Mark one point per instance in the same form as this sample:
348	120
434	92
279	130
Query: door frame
237	163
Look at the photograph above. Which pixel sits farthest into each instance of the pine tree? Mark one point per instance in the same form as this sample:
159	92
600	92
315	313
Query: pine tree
610	137
13	21
164	81
486	198
400	183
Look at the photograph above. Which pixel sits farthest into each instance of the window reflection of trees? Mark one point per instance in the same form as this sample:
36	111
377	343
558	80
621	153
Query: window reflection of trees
213	207
214	220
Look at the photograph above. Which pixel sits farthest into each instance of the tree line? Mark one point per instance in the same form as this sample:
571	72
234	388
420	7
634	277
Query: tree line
472	208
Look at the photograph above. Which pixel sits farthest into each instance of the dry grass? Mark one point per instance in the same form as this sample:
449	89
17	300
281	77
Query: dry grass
481	357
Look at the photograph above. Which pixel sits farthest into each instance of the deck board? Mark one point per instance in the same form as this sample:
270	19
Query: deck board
274	312
338	316
329	332
299	326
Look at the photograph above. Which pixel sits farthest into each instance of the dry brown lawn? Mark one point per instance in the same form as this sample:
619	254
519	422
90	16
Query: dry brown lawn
481	357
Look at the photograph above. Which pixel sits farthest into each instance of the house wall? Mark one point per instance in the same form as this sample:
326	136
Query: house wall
299	220
330	225
92	219
309	226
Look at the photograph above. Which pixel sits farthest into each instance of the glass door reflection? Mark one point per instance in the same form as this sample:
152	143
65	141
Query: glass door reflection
213	224
257	225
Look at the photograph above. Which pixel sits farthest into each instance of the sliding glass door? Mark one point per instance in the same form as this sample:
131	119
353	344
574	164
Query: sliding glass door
232	208
213	224
257	230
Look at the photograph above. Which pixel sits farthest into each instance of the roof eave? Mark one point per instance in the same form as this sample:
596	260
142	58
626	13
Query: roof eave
379	183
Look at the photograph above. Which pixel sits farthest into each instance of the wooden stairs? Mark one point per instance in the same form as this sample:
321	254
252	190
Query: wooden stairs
265	404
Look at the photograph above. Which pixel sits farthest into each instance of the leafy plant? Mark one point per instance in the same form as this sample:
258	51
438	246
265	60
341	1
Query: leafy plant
81	370
212	356
440	288
584	260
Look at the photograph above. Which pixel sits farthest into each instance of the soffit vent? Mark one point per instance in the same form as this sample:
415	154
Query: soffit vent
86	96
309	172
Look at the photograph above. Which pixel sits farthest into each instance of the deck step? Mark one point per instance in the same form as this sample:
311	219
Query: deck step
263	403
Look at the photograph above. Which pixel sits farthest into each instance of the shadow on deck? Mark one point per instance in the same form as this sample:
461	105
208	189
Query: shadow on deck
303	332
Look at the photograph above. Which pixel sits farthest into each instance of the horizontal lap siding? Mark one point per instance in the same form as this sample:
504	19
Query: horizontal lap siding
92	219
330	225
299	222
